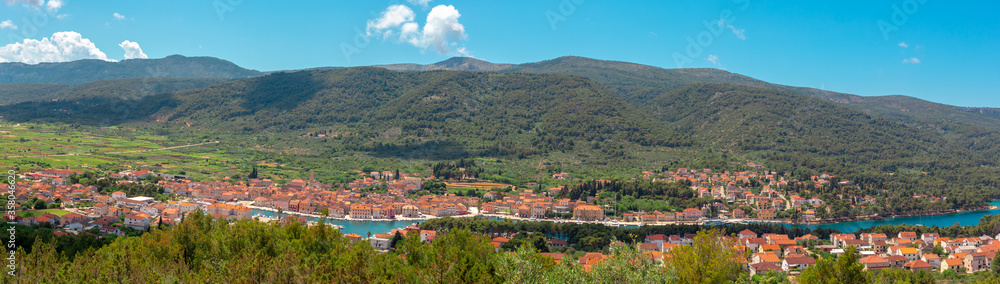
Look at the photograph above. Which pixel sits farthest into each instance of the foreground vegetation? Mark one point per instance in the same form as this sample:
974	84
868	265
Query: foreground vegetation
201	250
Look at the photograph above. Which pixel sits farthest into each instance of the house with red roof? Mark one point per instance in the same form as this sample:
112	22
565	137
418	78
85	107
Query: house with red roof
875	262
918	265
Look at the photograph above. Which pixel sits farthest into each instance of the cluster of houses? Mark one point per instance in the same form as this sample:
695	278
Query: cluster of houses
312	197
906	250
734	188
382	242
773	196
527	204
913	251
112	213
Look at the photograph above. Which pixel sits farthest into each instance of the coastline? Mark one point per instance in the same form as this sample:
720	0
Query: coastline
398	219
616	223
879	217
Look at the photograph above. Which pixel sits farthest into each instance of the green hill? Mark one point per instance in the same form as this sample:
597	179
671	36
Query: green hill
480	110
82	71
106	89
487	114
764	120
16	93
638	84
598	114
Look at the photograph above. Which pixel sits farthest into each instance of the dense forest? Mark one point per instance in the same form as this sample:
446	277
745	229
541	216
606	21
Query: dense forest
484	114
17	93
100	91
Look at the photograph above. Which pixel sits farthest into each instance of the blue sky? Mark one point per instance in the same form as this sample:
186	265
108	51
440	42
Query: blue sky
935	50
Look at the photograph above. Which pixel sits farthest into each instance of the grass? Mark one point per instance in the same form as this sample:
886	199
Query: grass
38	146
57	212
285	156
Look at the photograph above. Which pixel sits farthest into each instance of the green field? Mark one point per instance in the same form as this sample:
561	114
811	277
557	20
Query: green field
57	212
27	147
278	156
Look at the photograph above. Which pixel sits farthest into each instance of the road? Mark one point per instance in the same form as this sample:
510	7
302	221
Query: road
161	149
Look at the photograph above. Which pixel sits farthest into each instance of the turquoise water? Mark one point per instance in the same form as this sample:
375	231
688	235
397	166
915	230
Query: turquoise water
356	227
964	218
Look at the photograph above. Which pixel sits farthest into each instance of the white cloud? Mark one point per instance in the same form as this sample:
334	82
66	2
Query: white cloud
132	50
61	47
35	3
392	18
441	31
442	27
912	60
8	24
118	16
422	3
740	33
903	44
463	52
714	59
54	5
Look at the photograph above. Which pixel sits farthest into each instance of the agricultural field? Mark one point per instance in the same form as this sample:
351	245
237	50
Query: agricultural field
214	155
57	212
36	146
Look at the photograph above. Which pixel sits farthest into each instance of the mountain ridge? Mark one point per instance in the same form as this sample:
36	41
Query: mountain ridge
88	70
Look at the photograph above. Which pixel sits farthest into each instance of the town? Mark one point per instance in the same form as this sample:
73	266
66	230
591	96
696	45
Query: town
738	197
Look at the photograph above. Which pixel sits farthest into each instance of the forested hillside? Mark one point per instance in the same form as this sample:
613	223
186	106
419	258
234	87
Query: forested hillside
16	93
610	114
639	83
805	136
485	114
495	114
128	89
82	71
760	119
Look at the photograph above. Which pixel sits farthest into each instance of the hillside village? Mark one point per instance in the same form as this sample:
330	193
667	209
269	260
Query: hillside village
734	195
744	196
